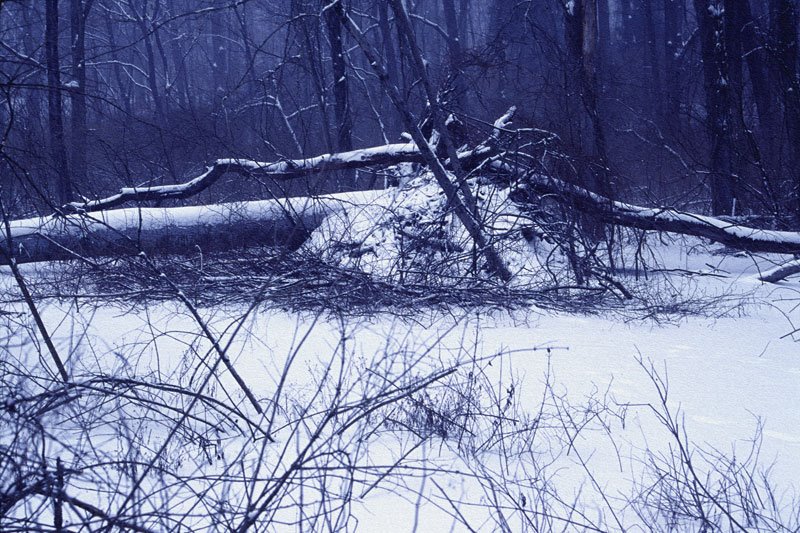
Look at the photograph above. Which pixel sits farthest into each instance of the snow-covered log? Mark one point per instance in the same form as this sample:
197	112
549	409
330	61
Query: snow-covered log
174	230
377	156
110	231
780	272
387	155
654	218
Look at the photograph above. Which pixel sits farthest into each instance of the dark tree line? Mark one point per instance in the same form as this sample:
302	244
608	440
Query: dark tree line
689	103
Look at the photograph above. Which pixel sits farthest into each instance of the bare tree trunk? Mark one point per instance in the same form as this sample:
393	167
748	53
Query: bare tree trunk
466	208
79	12
250	56
465	22
652	54
627	13
753	50
387	43
390	58
719	102
122	84
783	53
146	30
334	21
591	92
179	62
745	47
606	49
219	56
58	511
454	53
673	46
307	31
54	103
580	19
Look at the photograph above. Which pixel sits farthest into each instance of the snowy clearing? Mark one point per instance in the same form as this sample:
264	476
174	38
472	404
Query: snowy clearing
530	402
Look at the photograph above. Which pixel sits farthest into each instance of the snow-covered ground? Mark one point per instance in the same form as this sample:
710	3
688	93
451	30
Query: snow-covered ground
545	420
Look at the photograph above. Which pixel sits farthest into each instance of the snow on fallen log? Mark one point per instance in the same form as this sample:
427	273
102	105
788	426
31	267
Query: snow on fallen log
286	221
386	155
274	221
380	156
654	218
780	272
418	239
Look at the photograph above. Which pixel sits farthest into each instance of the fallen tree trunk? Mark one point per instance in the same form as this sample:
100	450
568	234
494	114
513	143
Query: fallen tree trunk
781	272
283	222
378	156
288	221
612	212
387	155
531	186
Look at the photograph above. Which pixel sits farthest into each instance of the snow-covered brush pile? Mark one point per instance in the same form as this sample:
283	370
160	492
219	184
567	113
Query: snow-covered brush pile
414	237
403	250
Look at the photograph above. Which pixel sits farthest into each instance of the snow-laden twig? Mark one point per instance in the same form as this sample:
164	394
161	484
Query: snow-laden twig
503	122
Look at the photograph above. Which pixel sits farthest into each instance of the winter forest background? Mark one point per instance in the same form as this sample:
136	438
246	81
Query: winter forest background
679	103
412	265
